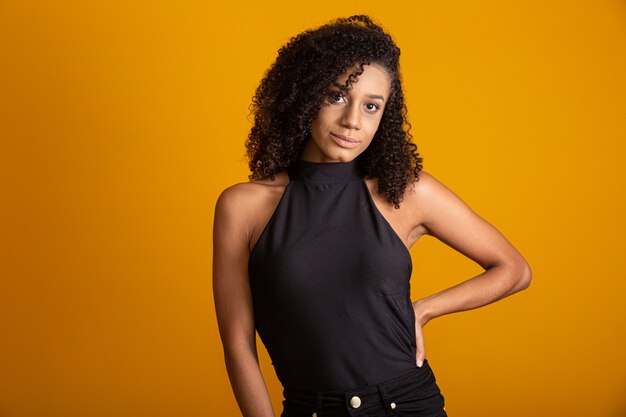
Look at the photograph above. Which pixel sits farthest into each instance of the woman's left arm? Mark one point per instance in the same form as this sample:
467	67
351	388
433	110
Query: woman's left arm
445	216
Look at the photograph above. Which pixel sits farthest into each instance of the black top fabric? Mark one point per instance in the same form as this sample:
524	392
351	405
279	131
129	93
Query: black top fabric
330	283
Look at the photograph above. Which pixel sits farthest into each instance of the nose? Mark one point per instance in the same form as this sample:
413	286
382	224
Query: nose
351	117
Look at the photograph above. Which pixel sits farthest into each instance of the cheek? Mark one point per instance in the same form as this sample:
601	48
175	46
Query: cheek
318	129
373	126
320	121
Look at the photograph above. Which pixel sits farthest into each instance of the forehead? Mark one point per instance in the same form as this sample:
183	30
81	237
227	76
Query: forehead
374	79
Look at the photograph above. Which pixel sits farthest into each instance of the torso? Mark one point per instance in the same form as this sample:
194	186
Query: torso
405	221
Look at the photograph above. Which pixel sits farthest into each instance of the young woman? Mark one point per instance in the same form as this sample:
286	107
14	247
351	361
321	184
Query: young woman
313	252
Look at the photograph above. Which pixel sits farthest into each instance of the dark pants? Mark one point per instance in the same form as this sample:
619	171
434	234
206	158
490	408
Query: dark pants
414	394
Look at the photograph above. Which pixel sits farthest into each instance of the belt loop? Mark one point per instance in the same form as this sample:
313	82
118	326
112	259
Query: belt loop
319	403
383	397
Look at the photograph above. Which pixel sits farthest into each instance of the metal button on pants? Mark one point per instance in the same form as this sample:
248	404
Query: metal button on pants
355	402
414	394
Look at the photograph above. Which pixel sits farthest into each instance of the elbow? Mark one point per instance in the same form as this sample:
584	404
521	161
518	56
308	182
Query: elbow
240	349
525	276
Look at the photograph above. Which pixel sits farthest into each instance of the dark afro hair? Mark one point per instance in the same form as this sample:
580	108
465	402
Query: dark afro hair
293	90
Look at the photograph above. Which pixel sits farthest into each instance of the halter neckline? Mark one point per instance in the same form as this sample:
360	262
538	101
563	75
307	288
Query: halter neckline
325	172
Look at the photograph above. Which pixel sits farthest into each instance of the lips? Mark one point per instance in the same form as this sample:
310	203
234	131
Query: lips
346	138
344	141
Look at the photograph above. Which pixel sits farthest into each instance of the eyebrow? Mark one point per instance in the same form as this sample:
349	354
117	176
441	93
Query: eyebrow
375	97
372	96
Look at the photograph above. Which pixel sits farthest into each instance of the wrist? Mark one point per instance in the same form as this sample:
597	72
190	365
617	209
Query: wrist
420	308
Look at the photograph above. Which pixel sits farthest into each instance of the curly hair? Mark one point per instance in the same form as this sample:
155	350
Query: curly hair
293	90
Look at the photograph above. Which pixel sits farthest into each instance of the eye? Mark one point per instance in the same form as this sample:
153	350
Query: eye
372	107
336	97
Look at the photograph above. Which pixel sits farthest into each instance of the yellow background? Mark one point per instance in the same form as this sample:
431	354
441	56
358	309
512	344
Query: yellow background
121	122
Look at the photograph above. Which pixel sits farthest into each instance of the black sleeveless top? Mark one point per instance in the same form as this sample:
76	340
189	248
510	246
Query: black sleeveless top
330	283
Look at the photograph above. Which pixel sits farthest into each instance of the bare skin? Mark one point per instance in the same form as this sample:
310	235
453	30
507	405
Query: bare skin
243	210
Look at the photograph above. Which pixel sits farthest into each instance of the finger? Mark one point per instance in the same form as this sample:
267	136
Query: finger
420	361
419	357
419	347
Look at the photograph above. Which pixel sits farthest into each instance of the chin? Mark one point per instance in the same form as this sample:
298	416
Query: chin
334	151
346	155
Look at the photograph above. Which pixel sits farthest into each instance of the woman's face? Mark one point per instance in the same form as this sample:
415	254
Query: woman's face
346	123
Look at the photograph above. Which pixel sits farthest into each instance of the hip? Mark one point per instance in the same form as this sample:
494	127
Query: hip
414	394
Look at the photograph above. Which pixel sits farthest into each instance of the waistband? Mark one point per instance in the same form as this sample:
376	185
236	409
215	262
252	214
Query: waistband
383	398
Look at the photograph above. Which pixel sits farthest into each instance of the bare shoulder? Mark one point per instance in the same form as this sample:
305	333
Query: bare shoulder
425	186
435	202
243	204
243	195
429	193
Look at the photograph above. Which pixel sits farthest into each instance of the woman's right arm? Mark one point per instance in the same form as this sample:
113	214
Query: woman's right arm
233	302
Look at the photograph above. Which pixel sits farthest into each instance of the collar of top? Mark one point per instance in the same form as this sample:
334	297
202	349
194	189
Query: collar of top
325	172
